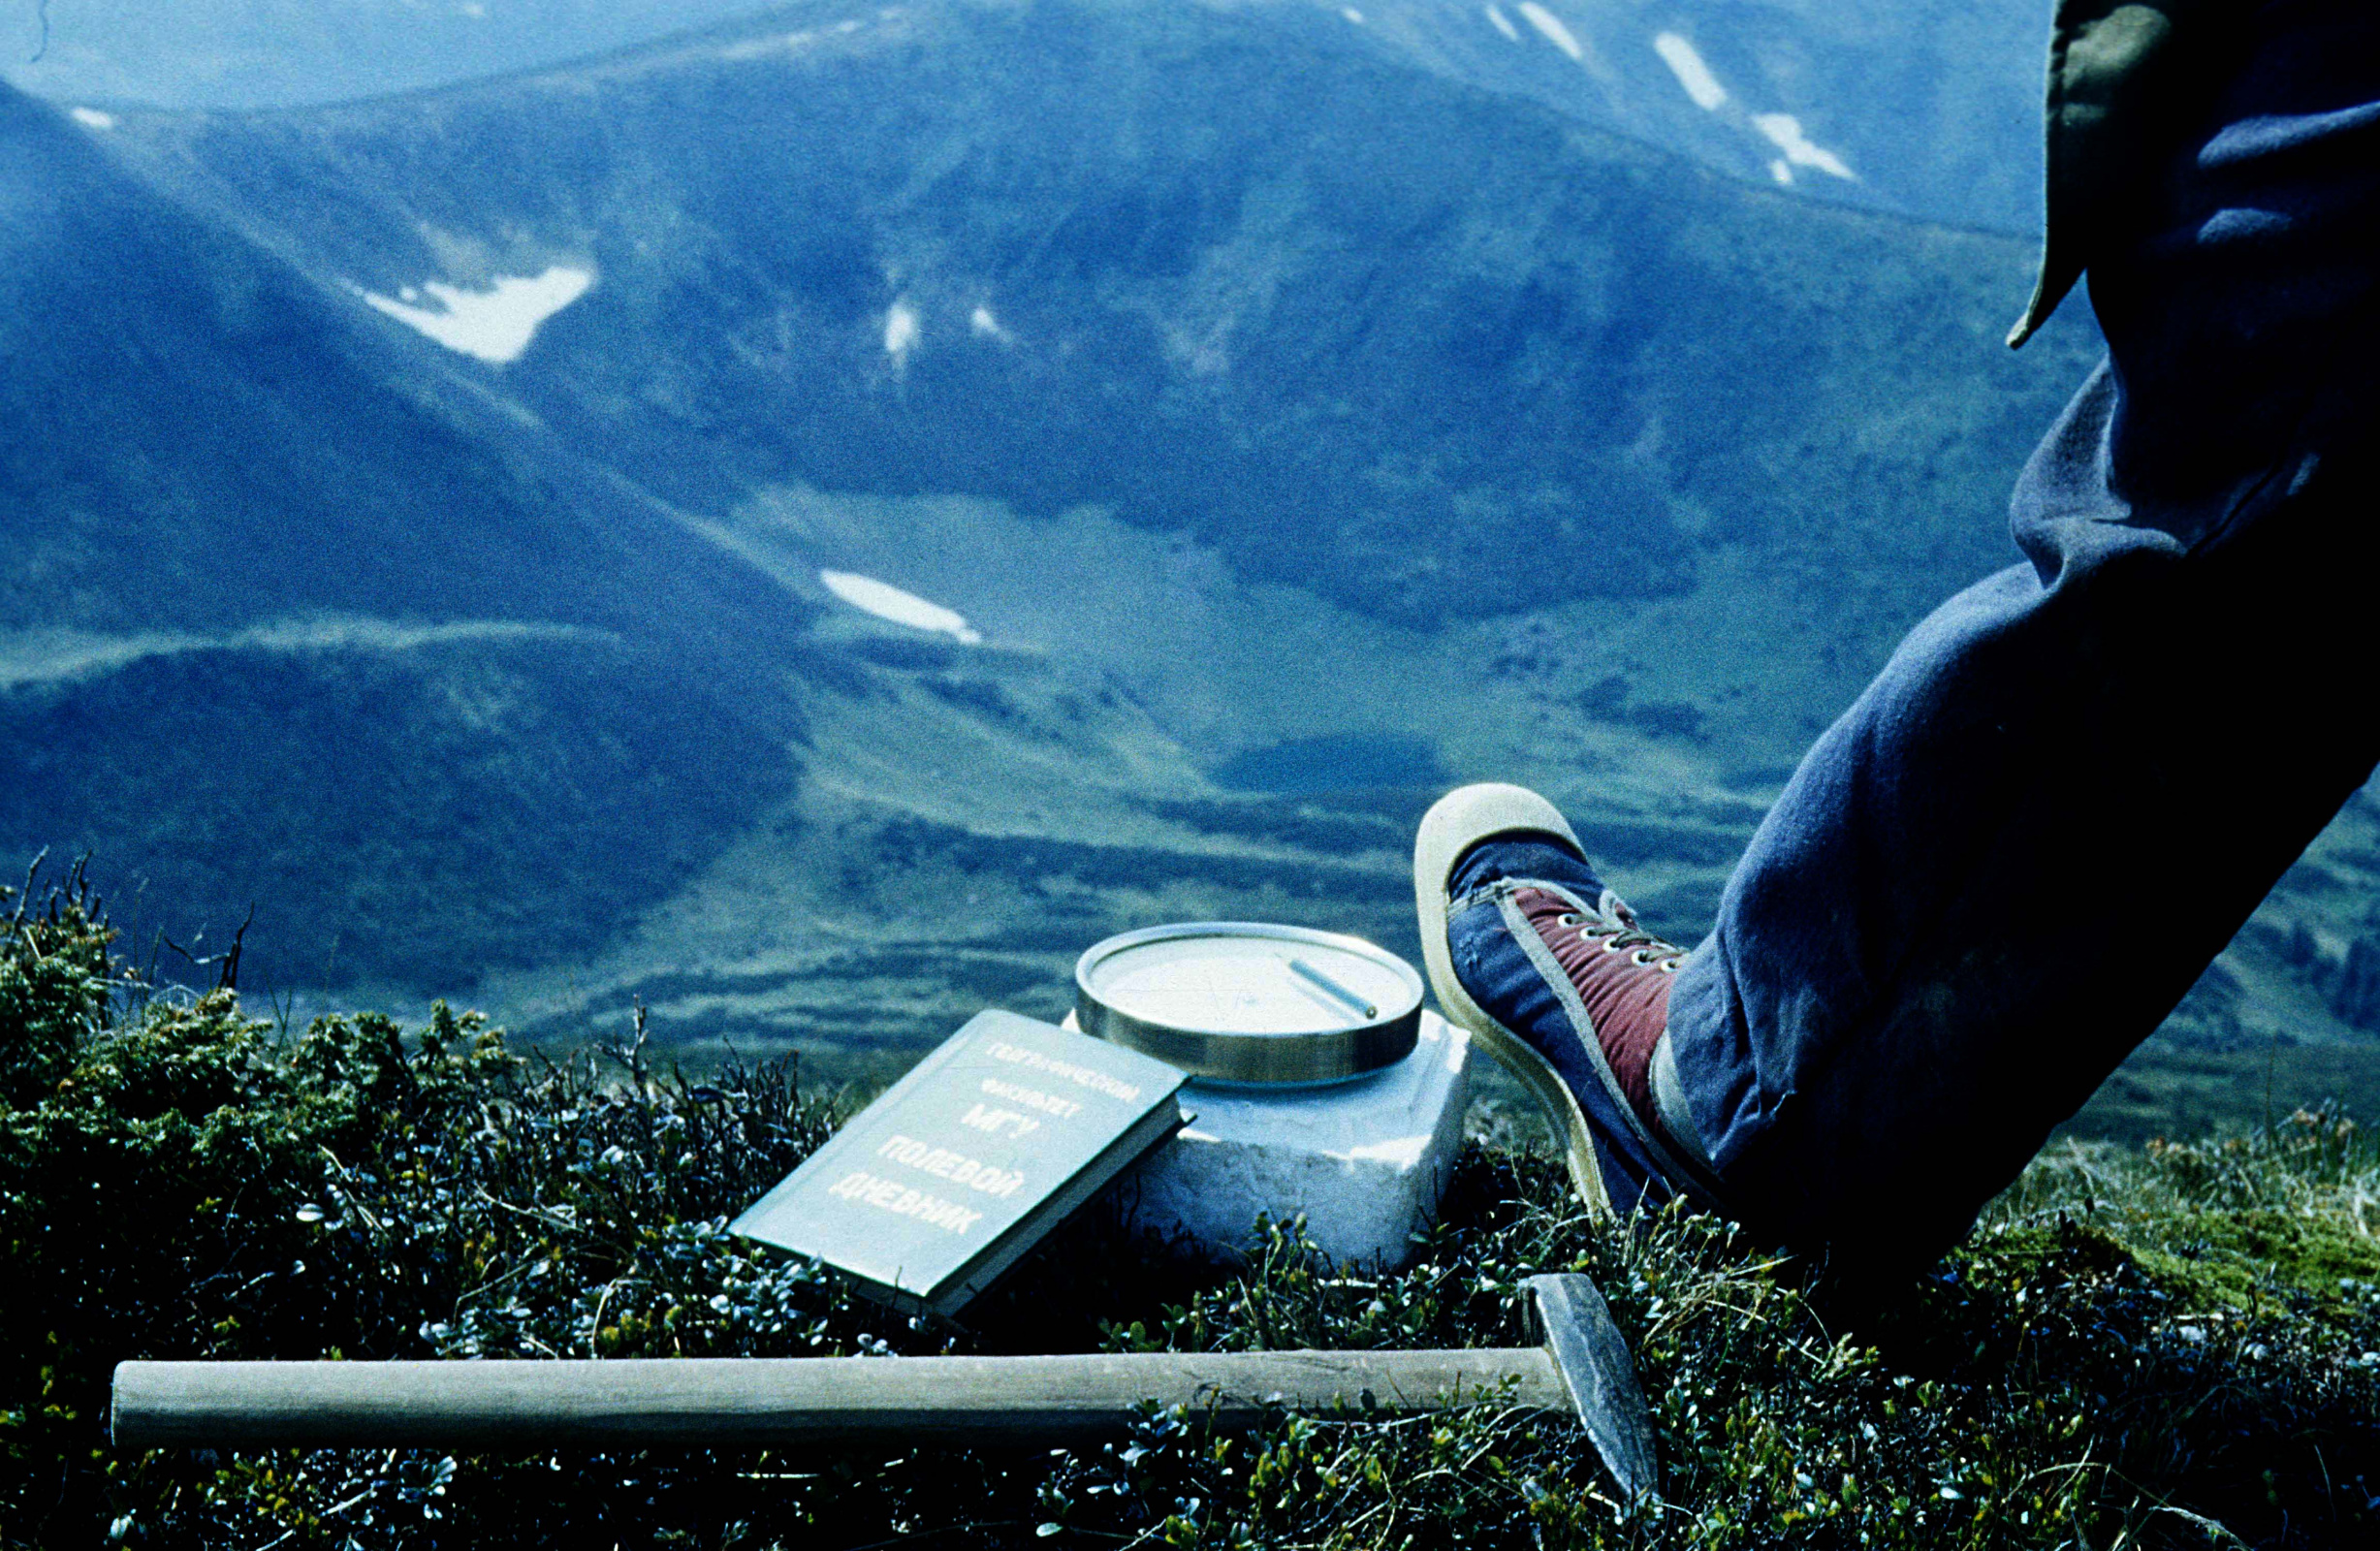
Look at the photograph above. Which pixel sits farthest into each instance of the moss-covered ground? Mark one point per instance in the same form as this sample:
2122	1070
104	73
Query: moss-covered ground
2169	1345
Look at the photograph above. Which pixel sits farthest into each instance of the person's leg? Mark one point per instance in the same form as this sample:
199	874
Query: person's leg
2071	785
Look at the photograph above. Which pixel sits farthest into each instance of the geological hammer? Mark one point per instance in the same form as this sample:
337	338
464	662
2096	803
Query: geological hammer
533	1406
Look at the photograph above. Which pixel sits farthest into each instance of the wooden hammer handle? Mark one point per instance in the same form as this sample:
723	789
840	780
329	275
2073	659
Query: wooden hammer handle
725	1403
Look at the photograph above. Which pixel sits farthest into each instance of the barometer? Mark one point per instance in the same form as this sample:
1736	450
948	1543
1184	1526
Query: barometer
1245	1002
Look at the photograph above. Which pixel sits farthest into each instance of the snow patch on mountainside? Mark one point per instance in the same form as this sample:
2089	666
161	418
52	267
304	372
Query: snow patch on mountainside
1684	62
1550	27
888	602
495	325
91	117
791	43
901	330
1502	24
1783	131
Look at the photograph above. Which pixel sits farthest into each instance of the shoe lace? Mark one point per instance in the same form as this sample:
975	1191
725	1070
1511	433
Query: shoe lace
1644	950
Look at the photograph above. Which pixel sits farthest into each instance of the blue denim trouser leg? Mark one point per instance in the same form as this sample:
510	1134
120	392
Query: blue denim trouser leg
2071	785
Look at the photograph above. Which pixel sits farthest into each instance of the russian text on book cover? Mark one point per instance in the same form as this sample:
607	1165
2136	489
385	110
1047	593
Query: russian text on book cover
929	1193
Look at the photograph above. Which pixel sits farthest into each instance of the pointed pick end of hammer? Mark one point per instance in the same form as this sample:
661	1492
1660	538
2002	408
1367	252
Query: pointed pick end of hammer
1595	1366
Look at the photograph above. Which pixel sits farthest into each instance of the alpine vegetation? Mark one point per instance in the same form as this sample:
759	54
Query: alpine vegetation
2177	1346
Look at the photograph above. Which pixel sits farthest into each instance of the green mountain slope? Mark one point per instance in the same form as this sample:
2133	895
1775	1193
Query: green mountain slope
1378	431
1019	252
282	623
1259	429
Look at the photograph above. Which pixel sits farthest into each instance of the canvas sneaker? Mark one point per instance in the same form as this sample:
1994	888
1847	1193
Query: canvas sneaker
1551	971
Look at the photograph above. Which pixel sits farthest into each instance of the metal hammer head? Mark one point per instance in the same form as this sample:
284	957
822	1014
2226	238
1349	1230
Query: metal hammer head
1593	1360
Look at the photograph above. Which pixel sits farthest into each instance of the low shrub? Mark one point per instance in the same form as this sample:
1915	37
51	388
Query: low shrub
2172	1347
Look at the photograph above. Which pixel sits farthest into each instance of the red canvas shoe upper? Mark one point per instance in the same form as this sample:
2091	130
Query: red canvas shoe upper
1623	976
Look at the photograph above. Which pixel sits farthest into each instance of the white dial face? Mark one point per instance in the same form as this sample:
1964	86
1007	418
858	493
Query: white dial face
1243	985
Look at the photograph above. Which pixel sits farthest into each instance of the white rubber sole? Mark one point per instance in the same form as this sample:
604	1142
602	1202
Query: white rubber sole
1453	825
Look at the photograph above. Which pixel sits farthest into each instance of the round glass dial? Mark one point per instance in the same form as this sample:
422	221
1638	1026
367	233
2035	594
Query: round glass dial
1250	1001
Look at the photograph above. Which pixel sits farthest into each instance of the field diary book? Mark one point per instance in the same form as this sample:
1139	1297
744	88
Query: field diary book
929	1193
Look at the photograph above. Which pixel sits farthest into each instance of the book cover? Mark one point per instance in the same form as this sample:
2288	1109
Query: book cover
929	1193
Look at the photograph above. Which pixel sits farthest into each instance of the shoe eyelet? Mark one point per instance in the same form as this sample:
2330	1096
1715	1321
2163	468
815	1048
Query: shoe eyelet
1569	919
1640	958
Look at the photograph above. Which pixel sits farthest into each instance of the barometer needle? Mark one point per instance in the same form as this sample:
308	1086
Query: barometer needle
1368	1009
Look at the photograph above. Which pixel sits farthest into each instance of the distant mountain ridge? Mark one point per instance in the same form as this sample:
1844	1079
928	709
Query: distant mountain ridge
1923	107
